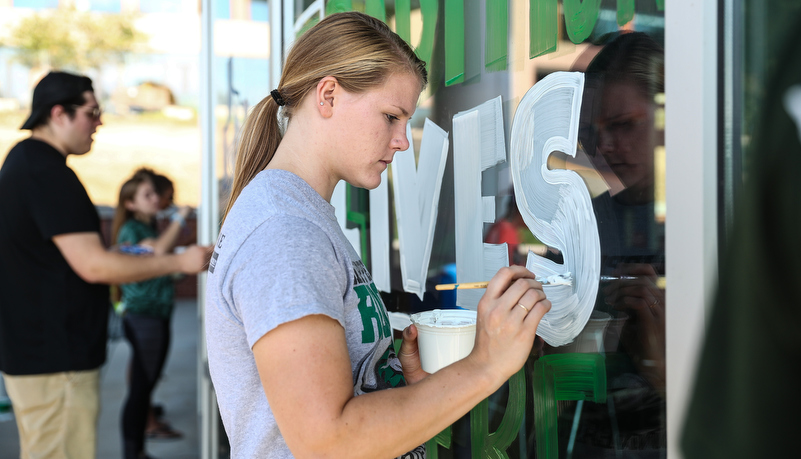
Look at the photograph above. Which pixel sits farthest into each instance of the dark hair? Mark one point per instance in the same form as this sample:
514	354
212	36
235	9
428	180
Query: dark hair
360	51
57	88
127	193
633	57
161	183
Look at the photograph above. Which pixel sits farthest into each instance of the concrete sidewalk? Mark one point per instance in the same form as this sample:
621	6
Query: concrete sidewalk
177	392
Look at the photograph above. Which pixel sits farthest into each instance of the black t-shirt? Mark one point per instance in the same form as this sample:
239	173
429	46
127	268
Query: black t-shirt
51	320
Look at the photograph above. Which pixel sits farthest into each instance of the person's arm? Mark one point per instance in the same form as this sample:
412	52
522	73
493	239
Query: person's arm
166	240
307	360
86	256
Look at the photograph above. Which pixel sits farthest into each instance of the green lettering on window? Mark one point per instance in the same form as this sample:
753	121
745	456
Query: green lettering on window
338	6
443	438
454	42
497	44
580	18
563	377
543	22
358	214
376	9
485	444
403	20
429	10
625	11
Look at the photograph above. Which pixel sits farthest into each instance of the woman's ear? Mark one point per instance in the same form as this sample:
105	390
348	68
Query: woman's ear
327	89
129	205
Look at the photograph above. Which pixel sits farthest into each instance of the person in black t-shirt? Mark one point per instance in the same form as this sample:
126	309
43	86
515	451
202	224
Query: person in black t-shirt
53	299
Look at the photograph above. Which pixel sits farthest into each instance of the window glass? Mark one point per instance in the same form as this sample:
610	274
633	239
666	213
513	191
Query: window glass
241	68
603	393
37	4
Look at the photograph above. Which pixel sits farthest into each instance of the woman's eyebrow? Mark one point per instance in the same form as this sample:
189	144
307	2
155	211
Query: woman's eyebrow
402	110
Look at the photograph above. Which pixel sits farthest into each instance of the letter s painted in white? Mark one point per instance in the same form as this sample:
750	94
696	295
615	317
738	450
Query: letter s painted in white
555	204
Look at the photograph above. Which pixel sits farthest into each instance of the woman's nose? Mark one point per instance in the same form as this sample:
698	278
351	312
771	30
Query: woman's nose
399	141
606	141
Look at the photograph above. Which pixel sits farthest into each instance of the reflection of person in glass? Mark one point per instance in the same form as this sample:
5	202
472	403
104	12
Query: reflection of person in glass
618	133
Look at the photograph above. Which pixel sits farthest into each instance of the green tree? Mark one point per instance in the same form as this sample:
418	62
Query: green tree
65	38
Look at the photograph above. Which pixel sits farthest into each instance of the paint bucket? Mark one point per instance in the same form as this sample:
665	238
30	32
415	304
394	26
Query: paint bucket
444	336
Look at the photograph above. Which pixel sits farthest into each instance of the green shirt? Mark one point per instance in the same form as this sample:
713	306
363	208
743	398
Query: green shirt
153	297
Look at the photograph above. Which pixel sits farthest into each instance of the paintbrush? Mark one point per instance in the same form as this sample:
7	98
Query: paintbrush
470	285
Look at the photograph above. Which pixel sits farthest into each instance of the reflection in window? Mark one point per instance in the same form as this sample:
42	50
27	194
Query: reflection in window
160	6
106	6
36	4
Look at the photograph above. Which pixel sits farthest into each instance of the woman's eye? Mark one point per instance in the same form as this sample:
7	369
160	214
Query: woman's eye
392	118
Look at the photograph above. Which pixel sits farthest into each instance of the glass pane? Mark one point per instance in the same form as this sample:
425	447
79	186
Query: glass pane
241	71
603	394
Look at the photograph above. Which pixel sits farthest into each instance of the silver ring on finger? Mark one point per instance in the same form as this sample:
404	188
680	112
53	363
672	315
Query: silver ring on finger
521	305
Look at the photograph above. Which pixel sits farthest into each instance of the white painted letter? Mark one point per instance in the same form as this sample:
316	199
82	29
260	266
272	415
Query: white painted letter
555	204
416	190
478	144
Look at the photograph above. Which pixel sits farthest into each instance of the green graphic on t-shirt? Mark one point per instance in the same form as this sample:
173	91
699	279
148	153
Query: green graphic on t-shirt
388	374
372	311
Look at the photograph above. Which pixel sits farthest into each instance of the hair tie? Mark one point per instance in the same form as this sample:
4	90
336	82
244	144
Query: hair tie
277	98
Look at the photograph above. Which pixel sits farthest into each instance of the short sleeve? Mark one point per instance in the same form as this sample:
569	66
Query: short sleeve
59	203
286	269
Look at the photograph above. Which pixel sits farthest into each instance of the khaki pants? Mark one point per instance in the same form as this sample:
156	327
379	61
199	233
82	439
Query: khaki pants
56	413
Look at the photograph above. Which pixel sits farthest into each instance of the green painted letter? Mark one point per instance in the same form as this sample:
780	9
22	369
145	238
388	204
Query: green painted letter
625	11
543	21
376	9
580	18
454	42
443	438
497	35
563	377
494	445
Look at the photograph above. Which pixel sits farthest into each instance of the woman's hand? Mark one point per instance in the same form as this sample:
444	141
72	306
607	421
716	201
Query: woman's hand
508	316
644	332
409	355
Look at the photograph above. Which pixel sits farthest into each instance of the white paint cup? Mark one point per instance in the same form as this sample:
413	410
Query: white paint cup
444	336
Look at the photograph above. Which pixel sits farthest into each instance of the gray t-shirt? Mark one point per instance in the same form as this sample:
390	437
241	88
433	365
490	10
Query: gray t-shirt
280	256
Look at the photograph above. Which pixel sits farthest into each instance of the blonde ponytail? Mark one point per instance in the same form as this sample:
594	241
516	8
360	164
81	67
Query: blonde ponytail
258	141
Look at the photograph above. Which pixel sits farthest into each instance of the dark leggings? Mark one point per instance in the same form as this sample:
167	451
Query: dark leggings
150	339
